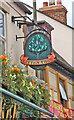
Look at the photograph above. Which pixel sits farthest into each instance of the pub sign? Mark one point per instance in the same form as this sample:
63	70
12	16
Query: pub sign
38	51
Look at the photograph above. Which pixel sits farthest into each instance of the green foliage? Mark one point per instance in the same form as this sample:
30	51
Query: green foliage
28	87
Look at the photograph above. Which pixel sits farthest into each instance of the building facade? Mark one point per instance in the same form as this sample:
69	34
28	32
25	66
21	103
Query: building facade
59	74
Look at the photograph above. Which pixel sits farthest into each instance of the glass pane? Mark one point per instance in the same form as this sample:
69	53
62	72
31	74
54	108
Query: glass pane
0	15
63	91
1	24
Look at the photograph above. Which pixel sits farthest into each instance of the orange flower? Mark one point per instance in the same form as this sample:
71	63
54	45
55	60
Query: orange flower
43	88
4	62
14	73
18	75
2	57
13	69
18	69
32	80
5	56
33	84
42	85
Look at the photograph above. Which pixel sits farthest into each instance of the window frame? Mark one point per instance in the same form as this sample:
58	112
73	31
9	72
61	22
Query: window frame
61	82
47	80
4	25
64	79
3	38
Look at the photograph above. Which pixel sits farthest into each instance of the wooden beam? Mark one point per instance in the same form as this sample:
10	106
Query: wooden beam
58	89
66	87
46	77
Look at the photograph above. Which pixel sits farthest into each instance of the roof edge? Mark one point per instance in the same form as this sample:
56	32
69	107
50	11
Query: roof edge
52	18
22	6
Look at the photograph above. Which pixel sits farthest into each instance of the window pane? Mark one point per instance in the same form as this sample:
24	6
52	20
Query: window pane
63	91
52	78
41	75
1	24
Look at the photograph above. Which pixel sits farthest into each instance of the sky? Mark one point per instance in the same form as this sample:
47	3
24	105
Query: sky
66	3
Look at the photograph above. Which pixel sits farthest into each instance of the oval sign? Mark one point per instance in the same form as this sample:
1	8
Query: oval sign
37	51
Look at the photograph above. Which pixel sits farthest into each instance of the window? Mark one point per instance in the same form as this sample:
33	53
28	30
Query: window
63	94
2	32
41	75
2	23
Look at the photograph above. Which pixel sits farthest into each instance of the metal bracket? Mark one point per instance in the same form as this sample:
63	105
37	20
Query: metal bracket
22	22
19	37
26	35
14	18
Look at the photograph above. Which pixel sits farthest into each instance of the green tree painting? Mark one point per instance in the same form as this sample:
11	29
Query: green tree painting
37	45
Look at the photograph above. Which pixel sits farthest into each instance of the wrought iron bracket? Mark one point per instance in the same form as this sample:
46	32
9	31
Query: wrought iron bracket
19	37
14	18
22	22
26	35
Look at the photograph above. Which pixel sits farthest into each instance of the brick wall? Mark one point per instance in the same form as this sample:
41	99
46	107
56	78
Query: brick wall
57	12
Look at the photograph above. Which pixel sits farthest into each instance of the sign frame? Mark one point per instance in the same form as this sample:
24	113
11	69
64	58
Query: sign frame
37	62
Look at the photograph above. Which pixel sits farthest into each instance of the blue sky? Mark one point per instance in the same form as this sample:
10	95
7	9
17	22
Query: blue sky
66	3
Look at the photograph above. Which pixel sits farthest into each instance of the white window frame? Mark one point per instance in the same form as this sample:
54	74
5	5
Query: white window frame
4	25
3	38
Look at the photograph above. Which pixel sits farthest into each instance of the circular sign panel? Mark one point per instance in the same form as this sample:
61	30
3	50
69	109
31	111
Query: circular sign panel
37	50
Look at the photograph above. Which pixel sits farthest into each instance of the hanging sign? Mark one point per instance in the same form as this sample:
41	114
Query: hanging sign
37	51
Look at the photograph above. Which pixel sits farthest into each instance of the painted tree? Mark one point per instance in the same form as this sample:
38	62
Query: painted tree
37	45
